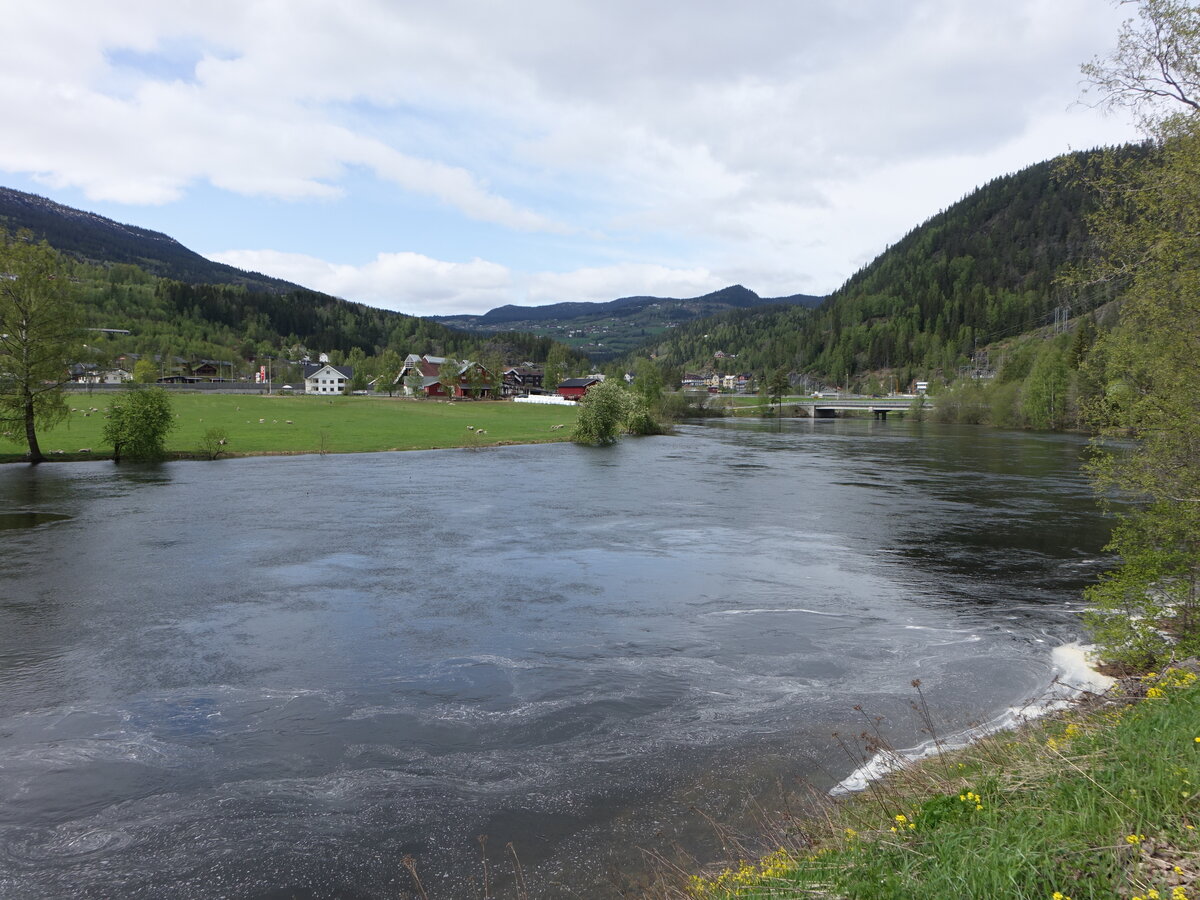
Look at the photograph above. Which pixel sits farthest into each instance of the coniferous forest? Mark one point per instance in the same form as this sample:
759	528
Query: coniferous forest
989	268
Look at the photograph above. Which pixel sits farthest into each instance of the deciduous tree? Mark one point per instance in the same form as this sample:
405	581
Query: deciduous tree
145	371
139	421
40	336
448	377
602	413
1150	364
389	365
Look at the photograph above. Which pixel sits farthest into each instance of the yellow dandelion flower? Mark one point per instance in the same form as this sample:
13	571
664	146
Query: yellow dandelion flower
1134	838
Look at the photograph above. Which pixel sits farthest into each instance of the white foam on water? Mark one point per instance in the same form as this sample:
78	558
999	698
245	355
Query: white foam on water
794	609
1074	676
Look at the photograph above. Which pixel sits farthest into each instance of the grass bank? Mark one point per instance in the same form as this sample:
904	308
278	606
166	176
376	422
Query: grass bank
1102	802
265	424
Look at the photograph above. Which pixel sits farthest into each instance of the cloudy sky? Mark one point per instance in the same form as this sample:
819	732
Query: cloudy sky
454	156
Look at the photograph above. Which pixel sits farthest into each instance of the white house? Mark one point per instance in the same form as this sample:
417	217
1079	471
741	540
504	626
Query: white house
327	379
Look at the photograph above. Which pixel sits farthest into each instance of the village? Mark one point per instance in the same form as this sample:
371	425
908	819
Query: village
424	376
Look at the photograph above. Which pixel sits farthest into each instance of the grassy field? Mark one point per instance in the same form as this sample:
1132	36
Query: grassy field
258	424
1097	804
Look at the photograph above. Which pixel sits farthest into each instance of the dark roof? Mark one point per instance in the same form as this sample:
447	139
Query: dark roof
578	382
313	368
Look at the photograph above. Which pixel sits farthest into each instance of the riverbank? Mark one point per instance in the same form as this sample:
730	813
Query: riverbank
1101	800
262	425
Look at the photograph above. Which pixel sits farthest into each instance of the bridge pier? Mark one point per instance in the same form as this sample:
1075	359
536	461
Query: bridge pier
880	414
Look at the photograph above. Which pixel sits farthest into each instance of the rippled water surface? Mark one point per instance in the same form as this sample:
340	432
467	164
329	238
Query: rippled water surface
276	677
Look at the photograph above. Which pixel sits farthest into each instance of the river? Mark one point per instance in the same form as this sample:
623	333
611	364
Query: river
277	677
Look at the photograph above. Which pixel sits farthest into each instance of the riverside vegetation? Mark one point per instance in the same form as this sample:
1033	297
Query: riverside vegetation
1103	802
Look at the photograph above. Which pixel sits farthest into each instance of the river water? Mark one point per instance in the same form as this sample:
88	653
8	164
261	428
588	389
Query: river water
276	677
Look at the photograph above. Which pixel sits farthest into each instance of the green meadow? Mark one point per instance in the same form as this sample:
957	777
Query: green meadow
264	424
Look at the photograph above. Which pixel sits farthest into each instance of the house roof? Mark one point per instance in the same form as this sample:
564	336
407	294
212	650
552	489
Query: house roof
579	382
311	370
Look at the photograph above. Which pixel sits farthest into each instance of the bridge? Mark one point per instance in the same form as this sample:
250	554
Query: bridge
828	407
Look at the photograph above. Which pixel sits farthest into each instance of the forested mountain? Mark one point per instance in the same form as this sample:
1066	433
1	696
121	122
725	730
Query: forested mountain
172	317
610	329
984	269
176	302
92	238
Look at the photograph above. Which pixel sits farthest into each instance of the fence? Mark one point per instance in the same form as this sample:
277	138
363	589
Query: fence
551	401
208	387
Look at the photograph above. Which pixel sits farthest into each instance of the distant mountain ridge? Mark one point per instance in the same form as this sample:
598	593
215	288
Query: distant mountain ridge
733	297
95	238
609	328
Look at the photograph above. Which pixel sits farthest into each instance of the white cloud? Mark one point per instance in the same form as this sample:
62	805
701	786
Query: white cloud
754	139
418	285
406	282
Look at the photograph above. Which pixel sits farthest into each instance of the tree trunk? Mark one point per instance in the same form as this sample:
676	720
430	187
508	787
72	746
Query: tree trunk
35	452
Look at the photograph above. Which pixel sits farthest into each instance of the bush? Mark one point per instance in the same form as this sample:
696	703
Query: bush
138	423
213	443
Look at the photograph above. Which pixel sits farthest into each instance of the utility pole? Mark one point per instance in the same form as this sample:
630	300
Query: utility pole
1062	314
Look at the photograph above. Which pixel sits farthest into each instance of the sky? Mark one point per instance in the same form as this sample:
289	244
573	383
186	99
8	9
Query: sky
450	157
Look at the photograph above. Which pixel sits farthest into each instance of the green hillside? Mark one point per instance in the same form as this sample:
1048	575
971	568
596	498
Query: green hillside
983	270
175	302
231	322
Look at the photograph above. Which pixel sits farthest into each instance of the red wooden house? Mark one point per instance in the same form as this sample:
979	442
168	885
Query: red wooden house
470	378
575	388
